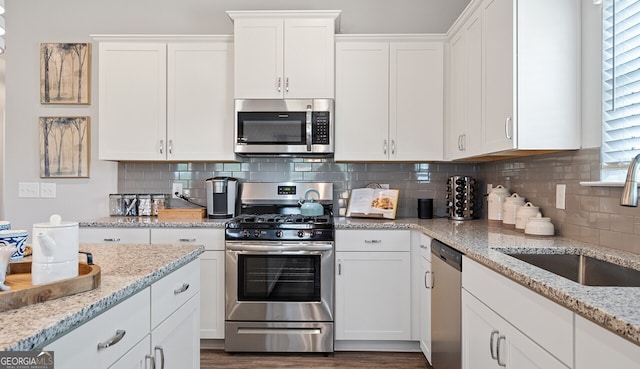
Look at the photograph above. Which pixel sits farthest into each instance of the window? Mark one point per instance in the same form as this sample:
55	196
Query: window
621	87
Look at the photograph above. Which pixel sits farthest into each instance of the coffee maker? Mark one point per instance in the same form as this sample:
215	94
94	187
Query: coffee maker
222	195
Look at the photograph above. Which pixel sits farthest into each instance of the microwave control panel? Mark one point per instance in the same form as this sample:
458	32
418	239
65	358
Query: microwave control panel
320	128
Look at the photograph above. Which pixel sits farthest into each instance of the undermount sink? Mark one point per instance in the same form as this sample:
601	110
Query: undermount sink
583	269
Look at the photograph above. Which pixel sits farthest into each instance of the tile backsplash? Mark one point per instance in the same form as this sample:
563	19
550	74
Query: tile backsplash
592	214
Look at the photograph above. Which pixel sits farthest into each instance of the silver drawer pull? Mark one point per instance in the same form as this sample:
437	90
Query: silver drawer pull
185	286
113	340
159	348
115	239
151	359
187	240
372	241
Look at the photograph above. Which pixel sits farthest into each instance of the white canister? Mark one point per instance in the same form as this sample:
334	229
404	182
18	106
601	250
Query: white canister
523	214
55	250
539	226
509	209
495	199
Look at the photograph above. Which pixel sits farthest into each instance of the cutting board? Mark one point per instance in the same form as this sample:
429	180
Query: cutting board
181	213
23	293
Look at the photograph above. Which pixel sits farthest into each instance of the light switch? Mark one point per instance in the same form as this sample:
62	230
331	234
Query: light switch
28	189
48	190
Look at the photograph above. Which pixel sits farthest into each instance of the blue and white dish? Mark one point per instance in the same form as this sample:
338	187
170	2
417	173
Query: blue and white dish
17	238
4	225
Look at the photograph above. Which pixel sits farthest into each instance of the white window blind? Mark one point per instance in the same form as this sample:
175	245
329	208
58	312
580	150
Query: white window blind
621	87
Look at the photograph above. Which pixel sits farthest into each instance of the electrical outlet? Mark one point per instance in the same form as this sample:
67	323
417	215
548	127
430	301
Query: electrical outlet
48	190
176	187
561	190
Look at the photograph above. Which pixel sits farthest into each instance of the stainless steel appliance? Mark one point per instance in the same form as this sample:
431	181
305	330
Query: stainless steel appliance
222	197
284	127
461	200
279	270
446	307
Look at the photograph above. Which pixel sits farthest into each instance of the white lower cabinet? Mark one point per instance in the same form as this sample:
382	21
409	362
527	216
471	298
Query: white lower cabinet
598	348
424	284
211	273
158	324
507	325
373	285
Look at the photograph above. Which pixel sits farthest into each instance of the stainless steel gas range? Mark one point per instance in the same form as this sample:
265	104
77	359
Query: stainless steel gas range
280	270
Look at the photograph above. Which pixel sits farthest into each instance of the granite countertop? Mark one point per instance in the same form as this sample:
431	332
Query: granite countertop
615	308
125	270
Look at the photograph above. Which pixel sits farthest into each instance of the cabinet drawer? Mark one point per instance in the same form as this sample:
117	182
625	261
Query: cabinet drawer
545	322
373	240
172	291
114	235
79	348
211	238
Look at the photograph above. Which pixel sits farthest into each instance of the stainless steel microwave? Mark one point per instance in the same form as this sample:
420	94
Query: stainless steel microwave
284	127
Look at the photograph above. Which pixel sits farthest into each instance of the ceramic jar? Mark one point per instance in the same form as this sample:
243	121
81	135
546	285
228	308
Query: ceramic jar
55	250
523	214
539	226
496	199
509	209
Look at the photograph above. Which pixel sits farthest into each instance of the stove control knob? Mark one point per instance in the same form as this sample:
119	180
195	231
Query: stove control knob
246	233
300	234
256	233
278	233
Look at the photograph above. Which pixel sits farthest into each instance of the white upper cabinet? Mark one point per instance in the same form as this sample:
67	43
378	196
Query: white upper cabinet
389	98
163	100
284	54
526	97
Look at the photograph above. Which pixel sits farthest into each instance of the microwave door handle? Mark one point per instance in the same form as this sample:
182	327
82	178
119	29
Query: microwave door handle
308	122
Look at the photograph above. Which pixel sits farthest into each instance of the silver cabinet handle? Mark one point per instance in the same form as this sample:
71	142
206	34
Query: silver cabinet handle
423	246
170	147
507	132
500	339
114	239
184	287
427	274
151	359
307	123
372	241
286	85
113	340
187	239
384	147
393	147
279	84
459	142
161	146
464	142
494	354
159	348
339	267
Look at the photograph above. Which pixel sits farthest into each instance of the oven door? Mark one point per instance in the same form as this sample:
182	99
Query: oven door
279	281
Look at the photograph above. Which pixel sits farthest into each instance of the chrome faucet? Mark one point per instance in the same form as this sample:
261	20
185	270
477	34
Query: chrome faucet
630	191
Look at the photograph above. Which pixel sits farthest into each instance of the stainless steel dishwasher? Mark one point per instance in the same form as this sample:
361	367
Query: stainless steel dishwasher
446	306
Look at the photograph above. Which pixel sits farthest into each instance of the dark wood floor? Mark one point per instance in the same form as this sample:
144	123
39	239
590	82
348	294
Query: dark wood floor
210	359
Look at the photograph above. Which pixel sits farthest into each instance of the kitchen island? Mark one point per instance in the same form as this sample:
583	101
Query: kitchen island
126	269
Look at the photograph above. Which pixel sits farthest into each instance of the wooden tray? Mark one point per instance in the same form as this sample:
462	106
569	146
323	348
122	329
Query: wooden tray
23	293
181	213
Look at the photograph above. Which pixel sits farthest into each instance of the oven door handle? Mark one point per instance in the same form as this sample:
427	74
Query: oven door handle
269	248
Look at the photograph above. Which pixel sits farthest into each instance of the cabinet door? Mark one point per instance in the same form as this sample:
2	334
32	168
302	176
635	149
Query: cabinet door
175	343
200	101
212	295
416	101
373	296
137	358
598	348
309	58
258	58
498	91
113	235
362	100
480	333
425	308
132	115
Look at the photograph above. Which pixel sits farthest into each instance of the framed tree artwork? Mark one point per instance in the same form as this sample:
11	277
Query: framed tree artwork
64	147
64	73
